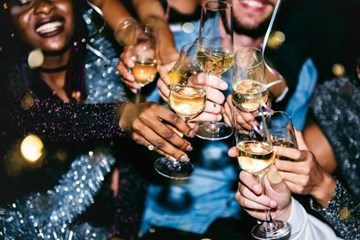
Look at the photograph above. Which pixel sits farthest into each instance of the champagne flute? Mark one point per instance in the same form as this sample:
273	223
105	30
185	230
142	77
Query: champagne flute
187	99
216	55
249	85
282	131
256	155
144	54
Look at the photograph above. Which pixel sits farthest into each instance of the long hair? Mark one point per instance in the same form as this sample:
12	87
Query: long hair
14	53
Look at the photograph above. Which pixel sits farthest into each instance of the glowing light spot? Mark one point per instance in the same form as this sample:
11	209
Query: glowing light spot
338	70
32	148
276	39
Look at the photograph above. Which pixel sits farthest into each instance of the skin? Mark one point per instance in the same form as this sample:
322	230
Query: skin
29	15
304	175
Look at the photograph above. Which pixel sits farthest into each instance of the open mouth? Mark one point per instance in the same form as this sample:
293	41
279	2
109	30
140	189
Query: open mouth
49	27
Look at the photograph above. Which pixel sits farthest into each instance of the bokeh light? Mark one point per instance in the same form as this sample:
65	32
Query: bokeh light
32	148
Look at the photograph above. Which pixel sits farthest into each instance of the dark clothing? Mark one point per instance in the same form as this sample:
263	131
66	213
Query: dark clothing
316	29
336	108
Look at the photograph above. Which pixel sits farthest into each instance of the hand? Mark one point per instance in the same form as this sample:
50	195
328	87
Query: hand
125	63
215	97
146	123
304	175
278	196
244	119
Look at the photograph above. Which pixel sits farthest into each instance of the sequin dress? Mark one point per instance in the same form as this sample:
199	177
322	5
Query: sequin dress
336	108
52	199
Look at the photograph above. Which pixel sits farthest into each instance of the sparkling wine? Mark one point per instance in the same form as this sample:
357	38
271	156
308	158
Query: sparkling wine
283	143
187	101
144	70
248	94
255	157
215	62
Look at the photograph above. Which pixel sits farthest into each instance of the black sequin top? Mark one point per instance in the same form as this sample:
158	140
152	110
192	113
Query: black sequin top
336	108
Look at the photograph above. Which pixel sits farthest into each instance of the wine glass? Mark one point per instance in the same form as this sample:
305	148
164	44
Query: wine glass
187	99
256	155
216	55
282	131
144	54
249	85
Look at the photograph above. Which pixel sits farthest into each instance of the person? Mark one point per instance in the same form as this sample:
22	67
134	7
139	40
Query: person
330	196
250	25
278	197
71	122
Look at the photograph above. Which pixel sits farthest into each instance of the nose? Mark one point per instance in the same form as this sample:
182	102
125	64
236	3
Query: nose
43	7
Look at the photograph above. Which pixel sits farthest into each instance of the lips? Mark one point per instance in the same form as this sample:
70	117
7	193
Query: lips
50	27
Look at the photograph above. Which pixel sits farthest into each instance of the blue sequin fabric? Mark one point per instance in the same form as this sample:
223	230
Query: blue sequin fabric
46	201
336	108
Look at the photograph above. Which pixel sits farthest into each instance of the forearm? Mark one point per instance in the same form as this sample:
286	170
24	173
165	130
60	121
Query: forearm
58	121
114	12
152	13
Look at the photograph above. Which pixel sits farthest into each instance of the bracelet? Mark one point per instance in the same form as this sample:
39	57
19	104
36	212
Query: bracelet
124	32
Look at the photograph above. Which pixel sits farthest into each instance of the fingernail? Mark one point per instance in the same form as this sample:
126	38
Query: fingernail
192	133
274	177
223	85
189	148
172	159
184	158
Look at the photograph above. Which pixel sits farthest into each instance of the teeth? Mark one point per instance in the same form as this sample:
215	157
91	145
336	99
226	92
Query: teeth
254	4
48	27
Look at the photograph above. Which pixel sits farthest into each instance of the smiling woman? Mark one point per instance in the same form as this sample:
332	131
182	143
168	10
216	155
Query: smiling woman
78	122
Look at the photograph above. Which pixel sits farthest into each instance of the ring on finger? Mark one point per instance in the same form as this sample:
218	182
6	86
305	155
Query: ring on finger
151	147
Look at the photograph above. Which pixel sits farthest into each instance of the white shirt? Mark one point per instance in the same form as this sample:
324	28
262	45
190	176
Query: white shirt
307	227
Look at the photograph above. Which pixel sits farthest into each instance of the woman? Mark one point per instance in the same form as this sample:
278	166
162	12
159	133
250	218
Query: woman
45	93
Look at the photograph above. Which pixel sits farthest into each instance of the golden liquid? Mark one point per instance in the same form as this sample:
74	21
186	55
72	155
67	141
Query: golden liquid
187	101
144	70
255	157
248	95
214	62
283	143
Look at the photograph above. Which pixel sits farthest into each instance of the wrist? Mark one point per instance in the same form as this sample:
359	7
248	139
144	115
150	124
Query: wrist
121	110
125	31
323	193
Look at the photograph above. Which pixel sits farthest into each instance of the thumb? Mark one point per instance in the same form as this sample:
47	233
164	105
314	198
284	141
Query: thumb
276	181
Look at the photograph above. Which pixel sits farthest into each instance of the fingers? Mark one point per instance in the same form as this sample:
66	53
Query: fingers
300	140
244	120
167	142
125	63
233	152
212	81
163	89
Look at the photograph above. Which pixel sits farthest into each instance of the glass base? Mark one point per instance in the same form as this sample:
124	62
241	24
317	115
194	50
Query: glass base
213	131
274	230
174	170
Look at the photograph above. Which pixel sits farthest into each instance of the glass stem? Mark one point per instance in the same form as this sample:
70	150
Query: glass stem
268	218
138	96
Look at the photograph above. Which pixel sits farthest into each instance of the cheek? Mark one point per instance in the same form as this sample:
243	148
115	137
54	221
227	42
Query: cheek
23	29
